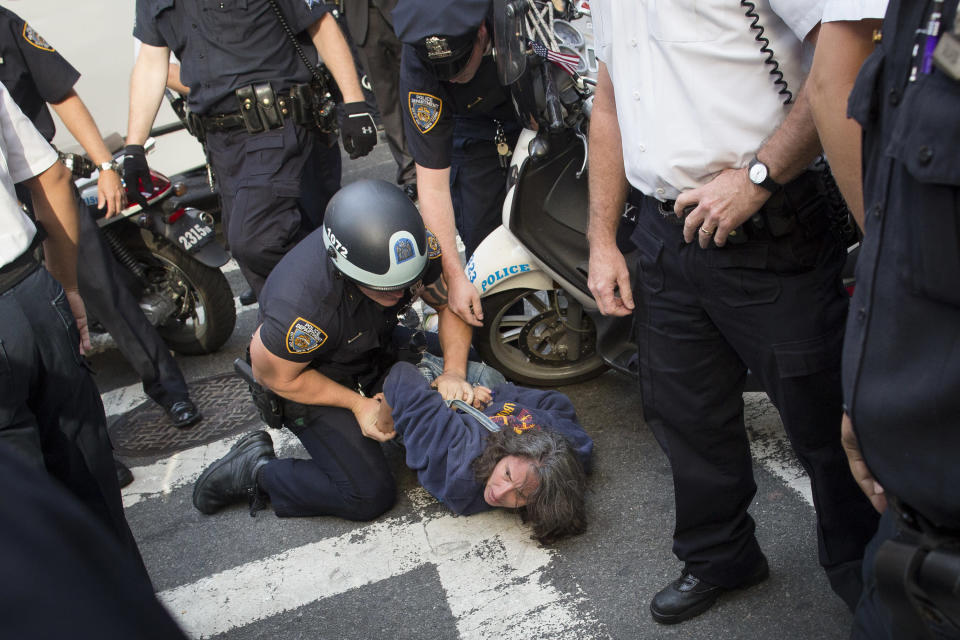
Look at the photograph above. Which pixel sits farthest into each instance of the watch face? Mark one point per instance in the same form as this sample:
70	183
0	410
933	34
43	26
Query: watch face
758	173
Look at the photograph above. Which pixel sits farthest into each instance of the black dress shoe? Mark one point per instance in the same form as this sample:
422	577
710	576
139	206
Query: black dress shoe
234	476
184	413
688	596
124	475
248	297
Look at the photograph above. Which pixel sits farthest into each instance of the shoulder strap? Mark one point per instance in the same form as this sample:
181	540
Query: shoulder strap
291	36
480	417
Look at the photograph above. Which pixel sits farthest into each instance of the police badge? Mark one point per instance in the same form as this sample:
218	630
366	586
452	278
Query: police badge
30	35
304	337
425	110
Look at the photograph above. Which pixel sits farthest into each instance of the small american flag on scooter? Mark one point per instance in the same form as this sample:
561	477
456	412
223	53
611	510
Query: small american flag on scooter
566	61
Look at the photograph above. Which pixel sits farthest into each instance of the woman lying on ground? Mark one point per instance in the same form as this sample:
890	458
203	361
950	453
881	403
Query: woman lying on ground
534	464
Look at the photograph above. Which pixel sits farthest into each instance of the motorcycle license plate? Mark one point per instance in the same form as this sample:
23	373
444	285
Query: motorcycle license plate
191	233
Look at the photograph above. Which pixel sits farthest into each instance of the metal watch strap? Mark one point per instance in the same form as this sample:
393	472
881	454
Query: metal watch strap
108	166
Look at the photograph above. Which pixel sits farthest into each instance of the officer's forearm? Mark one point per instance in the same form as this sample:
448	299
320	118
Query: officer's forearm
82	127
333	48
56	208
841	49
147	82
436	208
455	336
794	145
608	180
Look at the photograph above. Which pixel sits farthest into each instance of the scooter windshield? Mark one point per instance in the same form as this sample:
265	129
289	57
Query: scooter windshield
508	40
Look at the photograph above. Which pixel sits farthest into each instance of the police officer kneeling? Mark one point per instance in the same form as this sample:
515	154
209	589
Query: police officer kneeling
324	344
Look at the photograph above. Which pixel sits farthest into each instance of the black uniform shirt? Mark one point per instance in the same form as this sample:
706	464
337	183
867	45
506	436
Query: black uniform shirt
433	108
226	44
309	313
32	71
901	360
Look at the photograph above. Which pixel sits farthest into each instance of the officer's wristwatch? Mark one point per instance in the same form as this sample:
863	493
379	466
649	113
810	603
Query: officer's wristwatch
760	175
108	166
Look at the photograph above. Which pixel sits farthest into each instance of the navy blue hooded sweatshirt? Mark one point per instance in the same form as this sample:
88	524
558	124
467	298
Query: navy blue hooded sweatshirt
441	443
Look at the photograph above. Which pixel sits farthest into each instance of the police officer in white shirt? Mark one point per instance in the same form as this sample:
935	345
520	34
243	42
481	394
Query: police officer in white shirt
739	269
50	410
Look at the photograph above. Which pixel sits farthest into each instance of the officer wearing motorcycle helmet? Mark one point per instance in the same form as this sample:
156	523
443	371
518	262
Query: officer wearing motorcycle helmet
460	125
325	342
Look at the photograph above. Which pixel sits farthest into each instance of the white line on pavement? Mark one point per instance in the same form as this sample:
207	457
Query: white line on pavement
183	467
490	570
770	446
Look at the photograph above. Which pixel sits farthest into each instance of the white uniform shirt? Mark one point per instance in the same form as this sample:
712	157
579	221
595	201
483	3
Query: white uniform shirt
23	154
853	10
693	94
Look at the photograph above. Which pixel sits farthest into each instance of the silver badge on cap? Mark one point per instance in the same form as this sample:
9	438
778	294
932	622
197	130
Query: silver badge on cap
437	47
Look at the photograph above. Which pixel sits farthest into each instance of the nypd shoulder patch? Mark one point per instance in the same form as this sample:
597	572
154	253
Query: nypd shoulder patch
425	110
304	337
433	246
30	35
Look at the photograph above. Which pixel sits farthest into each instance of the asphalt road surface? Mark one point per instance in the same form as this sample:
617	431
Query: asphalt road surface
418	571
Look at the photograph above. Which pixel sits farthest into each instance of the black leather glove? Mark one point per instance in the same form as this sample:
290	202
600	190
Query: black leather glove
358	131
136	174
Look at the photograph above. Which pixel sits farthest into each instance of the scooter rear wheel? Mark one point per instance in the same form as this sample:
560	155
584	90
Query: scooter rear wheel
531	338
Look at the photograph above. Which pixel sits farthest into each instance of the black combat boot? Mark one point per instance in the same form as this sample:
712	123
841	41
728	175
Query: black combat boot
234	476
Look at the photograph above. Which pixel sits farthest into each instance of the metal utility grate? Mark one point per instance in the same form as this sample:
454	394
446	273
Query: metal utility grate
224	402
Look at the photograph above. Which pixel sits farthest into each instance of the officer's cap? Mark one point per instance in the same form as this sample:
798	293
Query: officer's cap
442	33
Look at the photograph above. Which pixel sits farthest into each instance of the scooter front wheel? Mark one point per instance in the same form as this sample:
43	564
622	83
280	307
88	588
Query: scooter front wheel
539	338
205	313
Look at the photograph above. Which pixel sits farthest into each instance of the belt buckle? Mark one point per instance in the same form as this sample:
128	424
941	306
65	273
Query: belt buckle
665	208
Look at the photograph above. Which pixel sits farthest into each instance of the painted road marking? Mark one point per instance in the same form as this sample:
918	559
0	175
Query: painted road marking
182	468
491	572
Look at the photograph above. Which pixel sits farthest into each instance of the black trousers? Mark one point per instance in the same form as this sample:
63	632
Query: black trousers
260	185
380	56
50	409
478	184
347	475
61	554
704	317
111	303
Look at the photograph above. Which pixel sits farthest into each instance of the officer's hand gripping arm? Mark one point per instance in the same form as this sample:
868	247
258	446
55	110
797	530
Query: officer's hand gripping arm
297	382
455	336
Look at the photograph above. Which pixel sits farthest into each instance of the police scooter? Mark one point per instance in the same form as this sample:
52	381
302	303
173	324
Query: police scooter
171	258
541	323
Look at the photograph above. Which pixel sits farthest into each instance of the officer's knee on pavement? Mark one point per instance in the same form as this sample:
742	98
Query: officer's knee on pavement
373	503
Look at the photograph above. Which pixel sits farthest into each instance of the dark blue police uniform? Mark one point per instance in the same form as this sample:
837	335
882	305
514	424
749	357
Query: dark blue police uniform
901	368
262	176
36	74
310	313
455	125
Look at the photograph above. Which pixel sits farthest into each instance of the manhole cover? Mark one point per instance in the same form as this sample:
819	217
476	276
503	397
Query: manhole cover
224	401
